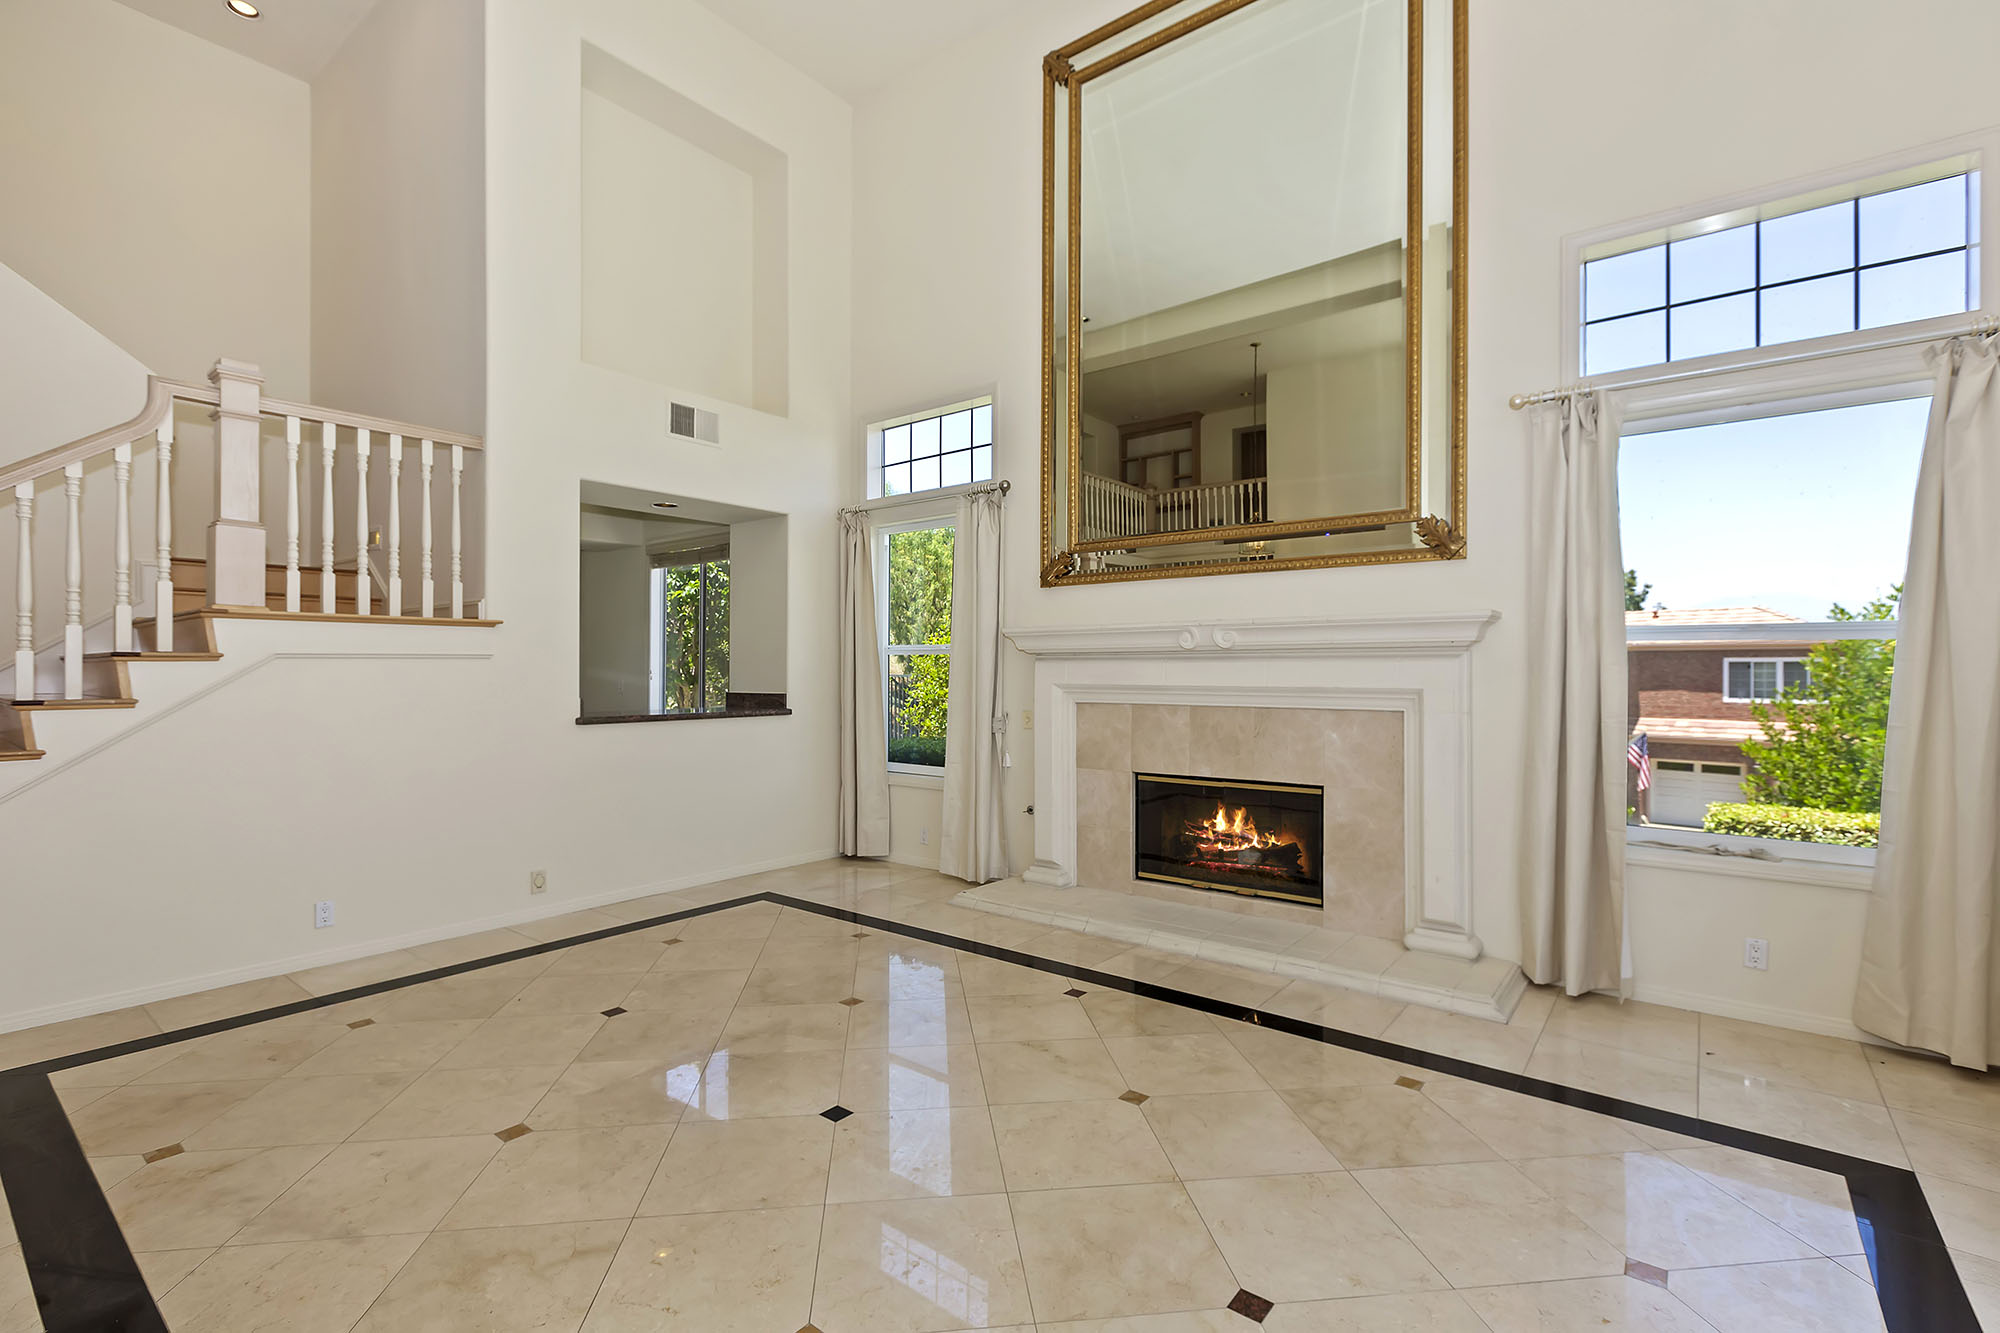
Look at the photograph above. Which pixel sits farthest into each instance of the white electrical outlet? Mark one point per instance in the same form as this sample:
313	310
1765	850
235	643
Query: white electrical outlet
1757	954
924	837
1027	719
538	881
322	914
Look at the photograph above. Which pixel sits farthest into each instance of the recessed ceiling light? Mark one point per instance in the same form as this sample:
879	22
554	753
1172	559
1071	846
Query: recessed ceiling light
243	9
665	504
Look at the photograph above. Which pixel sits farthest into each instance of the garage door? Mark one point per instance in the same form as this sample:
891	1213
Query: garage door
1683	790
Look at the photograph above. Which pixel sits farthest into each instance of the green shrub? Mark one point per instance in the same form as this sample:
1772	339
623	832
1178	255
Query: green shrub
1794	823
927	750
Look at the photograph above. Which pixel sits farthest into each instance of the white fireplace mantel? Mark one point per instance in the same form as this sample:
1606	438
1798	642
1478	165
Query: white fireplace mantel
1418	665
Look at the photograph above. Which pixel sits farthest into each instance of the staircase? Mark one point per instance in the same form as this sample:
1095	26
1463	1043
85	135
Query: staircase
329	495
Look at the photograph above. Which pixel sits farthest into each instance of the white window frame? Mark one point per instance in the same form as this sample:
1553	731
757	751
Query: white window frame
1981	152
1782	663
872	429
924	517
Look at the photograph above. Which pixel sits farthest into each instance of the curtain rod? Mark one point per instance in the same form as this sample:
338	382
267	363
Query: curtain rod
915	497
1980	328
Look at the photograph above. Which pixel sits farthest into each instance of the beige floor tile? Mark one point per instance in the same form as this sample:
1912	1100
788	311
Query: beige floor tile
135	1119
1073	947
638	951
1861	1129
794	924
448	1103
1516	1125
1953	1149
709	955
1124	1249
505	1280
562	1175
752	922
119	1069
523	1041
108	1170
990	976
1310	1237
75	1099
1484	1223
1286	1061
19	1312
1807	1060
910	1078
384	1048
1040	1017
1066	1145
373	1189
1231	985
1666	1084
1812	1205
1495	1045
912	1265
1235	1134
202	1198
259	1051
914	1154
163	1270
1194	1063
796	955
301	1287
1929	1086
470	948
710	1273
1857	1264
684	992
1968	1216
801	982
245	997
1810	1296
31	1045
1601	1304
301	1110
1654	1030
469	996
360	972
1337	1007
1981	1278
1662	1213
729	1166
591	994
1117	1014
739	1087
601	1094
906	968
1384	1125
660	1038
909	1020
567	925
1183	1321
1418	1312
784	1029
1048	1071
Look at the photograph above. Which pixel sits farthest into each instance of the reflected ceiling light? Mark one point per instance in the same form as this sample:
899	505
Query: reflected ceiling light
665	504
243	9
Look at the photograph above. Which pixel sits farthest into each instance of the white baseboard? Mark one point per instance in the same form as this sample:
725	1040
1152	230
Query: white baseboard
167	990
1798	1020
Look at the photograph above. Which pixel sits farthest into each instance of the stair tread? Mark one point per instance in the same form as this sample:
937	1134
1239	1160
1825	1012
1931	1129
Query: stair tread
8	756
88	701
152	657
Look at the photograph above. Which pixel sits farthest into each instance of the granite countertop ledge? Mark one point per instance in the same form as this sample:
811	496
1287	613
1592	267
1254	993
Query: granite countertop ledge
740	704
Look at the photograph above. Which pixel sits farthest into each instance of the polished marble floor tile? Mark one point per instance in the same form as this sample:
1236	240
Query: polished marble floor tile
562	1175
136	1119
1071	1144
1385	1125
1968	1216
1859	1129
598	1094
1630	1025
915	1265
204	1198
1213	1134
1831	1065
1629	1076
914	1154
676	992
1048	1071
323	1286
1926	1084
373	1189
385	1048
909	1020
1662	1213
1602	1304
1310	1237
447	1103
1811	1205
1808	1296
1285	1061
245	997
663	1038
516	1279
738	1165
1484	1224
1517	1126
739	1087
523	1040
1197	1062
323	1109
910	1078
1969	1154
1118	1250
1118	1014
589	994
1041	1017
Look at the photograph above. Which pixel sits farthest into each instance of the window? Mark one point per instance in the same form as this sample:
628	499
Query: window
691	595
916	617
950	446
1748	679
1798	269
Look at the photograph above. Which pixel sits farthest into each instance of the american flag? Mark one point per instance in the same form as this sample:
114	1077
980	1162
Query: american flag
1635	755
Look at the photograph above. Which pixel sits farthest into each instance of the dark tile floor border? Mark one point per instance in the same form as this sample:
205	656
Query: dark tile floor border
85	1279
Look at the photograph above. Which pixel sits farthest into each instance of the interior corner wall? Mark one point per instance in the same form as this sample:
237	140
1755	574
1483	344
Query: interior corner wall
158	187
759	556
398	217
614	616
948	283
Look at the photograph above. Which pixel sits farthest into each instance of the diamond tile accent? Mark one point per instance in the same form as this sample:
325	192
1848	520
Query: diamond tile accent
1250	1305
852	1000
613	1011
836	1113
362	1023
1413	1084
809	1328
1646	1272
512	1132
1133	1097
860	934
1074	993
161	1154
670	943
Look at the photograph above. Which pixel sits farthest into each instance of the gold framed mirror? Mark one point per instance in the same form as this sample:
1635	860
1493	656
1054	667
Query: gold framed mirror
1253	296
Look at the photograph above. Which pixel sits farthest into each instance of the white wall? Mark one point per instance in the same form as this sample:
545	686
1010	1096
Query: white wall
947	287
760	555
159	187
614	640
398	218
419	794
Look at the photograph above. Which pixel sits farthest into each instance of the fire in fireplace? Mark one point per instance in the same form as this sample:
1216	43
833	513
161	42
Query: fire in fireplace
1259	838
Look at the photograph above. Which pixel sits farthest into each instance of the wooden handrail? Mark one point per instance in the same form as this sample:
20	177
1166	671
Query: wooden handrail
159	401
274	407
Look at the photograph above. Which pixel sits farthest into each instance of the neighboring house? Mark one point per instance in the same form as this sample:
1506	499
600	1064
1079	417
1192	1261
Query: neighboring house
1693	676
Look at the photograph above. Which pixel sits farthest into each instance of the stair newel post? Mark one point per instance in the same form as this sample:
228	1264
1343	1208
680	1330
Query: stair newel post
457	531
163	538
291	513
121	560
427	607
327	434
73	584
237	555
363	594
24	591
395	525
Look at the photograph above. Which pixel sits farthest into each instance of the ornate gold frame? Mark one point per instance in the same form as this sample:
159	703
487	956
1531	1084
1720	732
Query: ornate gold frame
1442	538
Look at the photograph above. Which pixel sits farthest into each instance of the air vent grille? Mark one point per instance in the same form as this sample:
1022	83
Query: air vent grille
694	423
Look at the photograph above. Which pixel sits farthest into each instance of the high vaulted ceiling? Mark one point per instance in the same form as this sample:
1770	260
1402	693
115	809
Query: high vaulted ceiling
298	37
854	46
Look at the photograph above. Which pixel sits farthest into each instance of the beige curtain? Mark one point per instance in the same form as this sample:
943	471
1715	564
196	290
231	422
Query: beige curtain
1573	841
864	744
973	844
1930	959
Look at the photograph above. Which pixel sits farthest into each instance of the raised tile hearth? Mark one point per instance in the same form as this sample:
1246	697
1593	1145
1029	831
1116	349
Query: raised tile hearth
1483	988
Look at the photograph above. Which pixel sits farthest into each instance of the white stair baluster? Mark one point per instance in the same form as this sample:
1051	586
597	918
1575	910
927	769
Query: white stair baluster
24	591
395	525
427	606
328	440
73	584
121	559
457	528
163	538
291	513
364	596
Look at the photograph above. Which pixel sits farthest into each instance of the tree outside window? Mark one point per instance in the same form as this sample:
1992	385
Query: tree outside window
694	619
917	647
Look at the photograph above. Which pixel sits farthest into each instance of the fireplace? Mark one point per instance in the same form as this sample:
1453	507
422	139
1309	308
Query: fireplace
1257	838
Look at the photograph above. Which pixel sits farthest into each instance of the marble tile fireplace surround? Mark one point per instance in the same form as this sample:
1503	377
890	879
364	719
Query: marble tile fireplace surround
1372	710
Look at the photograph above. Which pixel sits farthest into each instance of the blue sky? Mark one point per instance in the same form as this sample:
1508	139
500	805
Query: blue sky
1792	513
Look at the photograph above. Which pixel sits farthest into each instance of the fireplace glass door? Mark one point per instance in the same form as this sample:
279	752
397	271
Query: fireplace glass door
1259	838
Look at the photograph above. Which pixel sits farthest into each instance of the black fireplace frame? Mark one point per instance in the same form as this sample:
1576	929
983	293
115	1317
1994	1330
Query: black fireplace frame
1317	876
